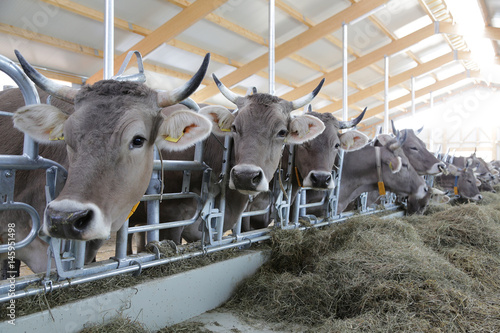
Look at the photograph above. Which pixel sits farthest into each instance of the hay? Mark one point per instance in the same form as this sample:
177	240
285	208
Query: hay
116	325
375	275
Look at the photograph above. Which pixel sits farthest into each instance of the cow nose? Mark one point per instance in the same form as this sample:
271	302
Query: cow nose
64	224
248	179
479	197
320	179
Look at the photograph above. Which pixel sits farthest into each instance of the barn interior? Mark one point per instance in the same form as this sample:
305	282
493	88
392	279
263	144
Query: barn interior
431	64
442	53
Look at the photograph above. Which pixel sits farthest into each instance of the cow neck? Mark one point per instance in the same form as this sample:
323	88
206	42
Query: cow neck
381	187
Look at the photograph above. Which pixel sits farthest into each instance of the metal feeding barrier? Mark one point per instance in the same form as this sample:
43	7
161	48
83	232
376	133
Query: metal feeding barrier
68	256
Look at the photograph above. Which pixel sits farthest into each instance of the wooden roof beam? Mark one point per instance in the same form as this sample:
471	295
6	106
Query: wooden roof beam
433	87
189	16
291	46
355	65
397	79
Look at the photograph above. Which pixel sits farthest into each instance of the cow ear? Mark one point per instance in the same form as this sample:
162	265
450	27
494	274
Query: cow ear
384	138
43	122
221	119
395	164
353	140
182	129
453	170
304	128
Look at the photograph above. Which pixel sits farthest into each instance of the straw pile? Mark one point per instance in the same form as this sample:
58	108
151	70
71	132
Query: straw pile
434	273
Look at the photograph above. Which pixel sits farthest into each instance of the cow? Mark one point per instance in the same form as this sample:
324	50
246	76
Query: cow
314	161
104	135
461	182
422	160
260	128
359	171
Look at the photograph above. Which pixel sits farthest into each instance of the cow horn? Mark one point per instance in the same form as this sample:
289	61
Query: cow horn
300	102
394	130
231	96
166	98
419	130
57	90
352	123
400	139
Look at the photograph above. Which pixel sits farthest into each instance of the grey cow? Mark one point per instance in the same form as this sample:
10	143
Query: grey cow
103	134
260	127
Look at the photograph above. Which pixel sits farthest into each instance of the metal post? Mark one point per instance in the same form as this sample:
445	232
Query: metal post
271	46
109	24
412	96
153	214
386	94
345	110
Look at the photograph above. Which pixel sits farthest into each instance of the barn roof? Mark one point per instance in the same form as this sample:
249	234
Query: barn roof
424	39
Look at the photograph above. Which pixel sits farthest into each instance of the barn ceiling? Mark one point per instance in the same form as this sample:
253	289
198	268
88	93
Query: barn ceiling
421	38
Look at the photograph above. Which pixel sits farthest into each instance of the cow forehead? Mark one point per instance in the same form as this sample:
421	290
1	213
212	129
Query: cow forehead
262	117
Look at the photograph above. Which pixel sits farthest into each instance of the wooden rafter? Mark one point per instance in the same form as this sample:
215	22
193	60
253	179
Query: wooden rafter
433	87
302	40
397	79
127	26
79	49
180	22
356	65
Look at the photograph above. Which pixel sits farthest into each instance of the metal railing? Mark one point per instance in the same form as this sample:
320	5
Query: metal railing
68	256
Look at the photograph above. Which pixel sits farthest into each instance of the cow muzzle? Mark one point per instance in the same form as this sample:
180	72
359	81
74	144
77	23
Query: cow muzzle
422	191
74	220
320	180
248	179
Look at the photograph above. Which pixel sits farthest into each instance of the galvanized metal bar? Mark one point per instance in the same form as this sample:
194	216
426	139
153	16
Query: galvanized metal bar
4	248
412	95
345	106
109	26
30	95
79	249
121	241
272	38
153	207
178	165
22	162
386	94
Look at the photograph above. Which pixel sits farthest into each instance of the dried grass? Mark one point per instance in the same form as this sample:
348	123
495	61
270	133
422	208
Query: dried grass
434	273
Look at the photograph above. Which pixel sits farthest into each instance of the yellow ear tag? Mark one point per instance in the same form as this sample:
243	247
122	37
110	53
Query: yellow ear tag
175	140
381	188
390	166
133	210
59	138
455	190
225	129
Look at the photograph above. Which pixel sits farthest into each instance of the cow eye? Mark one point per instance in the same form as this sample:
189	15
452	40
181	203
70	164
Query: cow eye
337	145
282	133
233	129
137	142
405	165
414	148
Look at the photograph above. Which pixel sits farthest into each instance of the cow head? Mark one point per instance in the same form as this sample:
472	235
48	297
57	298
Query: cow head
109	134
399	175
315	159
422	160
260	128
467	184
